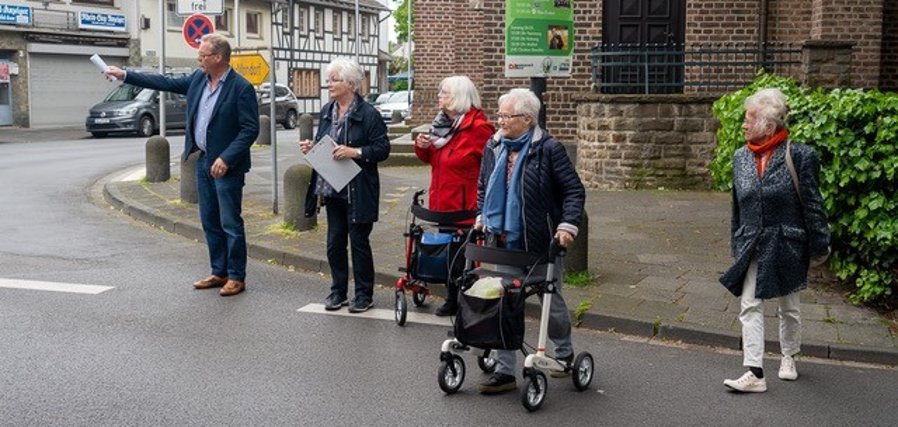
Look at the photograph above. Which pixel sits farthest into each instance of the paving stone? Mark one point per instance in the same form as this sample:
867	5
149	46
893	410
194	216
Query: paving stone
660	283
710	318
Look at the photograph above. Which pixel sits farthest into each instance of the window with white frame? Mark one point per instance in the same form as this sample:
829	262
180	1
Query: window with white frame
299	19
103	2
365	24
338	23
254	23
319	22
172	20
350	26
223	21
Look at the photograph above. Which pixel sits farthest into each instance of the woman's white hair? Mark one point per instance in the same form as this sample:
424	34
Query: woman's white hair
347	70
463	93
523	101
770	106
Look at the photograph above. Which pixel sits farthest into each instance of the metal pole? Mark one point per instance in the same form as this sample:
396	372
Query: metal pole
237	21
538	87
161	94
358	41
272	96
408	52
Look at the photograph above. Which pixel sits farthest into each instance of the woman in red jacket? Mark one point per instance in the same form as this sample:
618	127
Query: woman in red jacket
453	148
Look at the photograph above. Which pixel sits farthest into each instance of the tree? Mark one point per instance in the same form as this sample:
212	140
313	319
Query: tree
401	16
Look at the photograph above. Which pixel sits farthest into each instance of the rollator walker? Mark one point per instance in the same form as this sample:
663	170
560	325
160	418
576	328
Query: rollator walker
500	324
431	247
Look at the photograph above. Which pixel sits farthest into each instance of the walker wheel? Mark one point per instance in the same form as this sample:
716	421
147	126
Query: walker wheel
451	374
486	362
401	306
534	392
419	296
582	371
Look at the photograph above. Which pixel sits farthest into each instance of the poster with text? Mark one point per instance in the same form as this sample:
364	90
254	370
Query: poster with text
539	38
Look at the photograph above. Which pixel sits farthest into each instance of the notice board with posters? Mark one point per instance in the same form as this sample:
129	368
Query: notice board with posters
539	38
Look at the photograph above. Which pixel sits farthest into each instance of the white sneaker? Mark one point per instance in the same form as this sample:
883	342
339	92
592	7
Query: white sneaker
788	371
747	383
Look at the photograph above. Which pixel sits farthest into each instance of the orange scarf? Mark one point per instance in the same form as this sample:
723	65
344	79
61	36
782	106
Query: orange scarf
764	150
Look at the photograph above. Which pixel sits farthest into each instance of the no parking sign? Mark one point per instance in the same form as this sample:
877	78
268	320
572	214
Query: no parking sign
195	27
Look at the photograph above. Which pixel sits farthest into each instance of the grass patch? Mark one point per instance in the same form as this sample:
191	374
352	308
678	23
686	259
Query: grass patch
282	229
176	202
831	320
578	279
584	306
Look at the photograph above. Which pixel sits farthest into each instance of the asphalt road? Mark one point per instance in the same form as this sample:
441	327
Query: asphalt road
153	351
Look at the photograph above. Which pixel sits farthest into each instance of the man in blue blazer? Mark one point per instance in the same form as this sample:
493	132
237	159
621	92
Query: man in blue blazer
222	124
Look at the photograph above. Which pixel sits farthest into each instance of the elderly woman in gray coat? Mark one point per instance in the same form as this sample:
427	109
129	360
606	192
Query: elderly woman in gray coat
778	228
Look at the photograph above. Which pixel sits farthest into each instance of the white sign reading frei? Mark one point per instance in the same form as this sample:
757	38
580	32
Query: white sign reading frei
206	7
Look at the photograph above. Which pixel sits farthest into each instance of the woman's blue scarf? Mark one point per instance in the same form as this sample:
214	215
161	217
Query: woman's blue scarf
502	202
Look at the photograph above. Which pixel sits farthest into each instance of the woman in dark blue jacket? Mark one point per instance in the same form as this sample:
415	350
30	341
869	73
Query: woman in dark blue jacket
528	193
361	136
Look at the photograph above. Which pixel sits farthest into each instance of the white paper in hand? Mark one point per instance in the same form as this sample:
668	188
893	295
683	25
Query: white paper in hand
101	64
337	173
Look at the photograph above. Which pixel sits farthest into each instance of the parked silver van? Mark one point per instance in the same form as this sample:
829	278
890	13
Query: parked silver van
132	109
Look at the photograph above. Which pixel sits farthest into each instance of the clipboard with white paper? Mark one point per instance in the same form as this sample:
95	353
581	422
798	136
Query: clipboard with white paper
337	173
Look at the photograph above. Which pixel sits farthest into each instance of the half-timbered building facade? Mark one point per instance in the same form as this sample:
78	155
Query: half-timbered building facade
309	34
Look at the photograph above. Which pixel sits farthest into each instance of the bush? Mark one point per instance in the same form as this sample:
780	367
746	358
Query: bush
855	132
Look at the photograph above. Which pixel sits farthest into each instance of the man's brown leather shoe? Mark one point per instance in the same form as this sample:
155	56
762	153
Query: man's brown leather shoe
233	287
211	282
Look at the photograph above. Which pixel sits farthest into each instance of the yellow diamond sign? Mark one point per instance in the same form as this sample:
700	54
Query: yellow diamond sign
252	66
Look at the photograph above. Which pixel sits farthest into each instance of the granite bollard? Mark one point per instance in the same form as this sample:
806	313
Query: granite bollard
158	159
188	178
264	137
296	187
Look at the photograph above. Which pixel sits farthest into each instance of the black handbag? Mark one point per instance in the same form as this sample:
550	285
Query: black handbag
491	323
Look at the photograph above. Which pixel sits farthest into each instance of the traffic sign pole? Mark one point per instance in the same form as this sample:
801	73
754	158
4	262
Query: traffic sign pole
162	70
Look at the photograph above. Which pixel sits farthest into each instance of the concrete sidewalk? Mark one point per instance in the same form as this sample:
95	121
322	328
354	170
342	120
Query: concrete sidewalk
655	257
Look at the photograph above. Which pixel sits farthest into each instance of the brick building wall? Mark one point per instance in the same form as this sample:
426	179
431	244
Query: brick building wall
860	21
719	22
787	21
888	79
478	31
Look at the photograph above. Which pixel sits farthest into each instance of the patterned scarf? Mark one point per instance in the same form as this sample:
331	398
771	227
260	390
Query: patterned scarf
764	150
502	202
444	128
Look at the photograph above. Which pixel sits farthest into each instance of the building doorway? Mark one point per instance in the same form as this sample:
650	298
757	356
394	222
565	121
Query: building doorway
637	34
5	94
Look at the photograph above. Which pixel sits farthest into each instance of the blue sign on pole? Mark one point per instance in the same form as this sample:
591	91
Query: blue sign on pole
14	14
101	21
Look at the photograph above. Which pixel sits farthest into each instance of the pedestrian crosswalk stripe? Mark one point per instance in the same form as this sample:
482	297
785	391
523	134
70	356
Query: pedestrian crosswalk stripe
379	314
34	285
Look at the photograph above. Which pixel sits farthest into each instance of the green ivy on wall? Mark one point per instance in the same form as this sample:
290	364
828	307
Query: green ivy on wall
855	132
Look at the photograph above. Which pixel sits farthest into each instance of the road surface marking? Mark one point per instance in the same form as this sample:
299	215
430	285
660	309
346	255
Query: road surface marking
379	314
34	285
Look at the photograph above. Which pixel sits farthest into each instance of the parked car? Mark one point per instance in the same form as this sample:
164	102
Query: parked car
371	97
398	101
381	98
132	109
286	106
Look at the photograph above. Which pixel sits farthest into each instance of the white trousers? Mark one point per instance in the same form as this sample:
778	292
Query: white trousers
752	318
